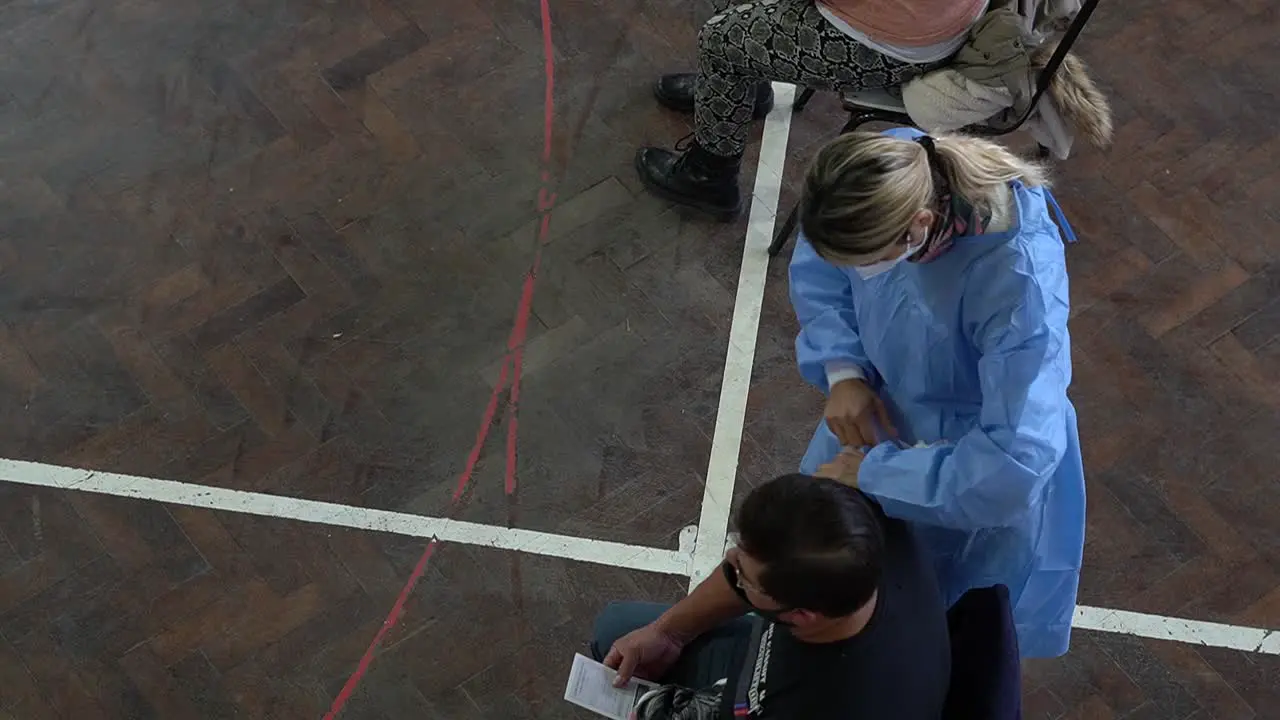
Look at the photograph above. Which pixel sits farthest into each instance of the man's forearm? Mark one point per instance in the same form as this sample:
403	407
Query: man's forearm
711	603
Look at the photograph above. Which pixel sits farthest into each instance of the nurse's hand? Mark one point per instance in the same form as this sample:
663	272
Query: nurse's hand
844	468
853	410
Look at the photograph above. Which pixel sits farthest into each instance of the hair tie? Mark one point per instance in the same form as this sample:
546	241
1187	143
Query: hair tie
942	188
930	149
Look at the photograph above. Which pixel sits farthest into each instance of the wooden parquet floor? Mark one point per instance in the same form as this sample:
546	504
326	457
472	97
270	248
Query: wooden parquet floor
276	246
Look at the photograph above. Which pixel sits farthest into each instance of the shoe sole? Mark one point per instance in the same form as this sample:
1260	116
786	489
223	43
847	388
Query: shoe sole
721	214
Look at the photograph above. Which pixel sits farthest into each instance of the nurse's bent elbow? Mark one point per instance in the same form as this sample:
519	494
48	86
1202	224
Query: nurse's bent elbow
1004	499
1029	493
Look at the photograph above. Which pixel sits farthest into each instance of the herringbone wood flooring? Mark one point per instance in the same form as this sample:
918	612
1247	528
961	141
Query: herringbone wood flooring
277	245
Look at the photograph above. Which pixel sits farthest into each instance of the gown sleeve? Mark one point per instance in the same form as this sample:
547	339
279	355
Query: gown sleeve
997	471
828	344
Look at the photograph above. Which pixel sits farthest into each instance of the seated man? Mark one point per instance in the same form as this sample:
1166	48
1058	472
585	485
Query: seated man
848	619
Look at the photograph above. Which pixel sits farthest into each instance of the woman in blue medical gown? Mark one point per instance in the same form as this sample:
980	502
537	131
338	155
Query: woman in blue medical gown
931	288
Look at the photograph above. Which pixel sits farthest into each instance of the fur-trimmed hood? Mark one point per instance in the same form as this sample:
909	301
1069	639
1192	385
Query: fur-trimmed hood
1075	95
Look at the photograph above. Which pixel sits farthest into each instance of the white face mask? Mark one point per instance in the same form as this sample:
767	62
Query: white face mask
866	272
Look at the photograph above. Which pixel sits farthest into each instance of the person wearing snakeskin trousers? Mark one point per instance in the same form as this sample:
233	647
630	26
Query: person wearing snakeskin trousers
838	45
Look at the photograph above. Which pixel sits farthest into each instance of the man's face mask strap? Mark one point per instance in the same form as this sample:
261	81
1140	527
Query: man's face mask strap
731	575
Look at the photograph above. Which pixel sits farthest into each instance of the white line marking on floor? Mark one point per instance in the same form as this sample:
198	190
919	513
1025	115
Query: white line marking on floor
1195	632
601	552
722	468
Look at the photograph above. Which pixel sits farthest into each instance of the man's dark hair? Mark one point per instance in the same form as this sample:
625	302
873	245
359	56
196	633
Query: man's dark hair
821	543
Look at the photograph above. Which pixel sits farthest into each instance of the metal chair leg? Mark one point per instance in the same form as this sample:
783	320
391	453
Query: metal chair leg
784	235
805	96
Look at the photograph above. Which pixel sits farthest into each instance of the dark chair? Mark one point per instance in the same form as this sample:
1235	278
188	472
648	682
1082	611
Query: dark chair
986	674
885	106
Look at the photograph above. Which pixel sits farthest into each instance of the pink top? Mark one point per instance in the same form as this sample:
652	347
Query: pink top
908	23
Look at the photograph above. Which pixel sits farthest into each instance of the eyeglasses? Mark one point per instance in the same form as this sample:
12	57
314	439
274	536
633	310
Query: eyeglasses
740	586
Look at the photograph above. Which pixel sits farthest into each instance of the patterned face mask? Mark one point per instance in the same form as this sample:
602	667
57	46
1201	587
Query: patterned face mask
956	217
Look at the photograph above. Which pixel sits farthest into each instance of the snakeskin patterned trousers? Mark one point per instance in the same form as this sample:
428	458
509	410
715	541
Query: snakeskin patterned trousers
780	40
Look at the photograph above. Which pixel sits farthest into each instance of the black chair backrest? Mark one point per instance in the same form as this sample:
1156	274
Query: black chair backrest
986	682
1047	73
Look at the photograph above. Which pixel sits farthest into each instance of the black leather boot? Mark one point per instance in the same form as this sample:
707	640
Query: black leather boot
675	91
694	178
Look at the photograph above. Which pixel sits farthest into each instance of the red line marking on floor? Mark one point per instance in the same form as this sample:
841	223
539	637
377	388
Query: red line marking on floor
515	354
392	618
512	366
486	422
513	422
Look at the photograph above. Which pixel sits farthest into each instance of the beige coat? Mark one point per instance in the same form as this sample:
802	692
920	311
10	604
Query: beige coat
991	80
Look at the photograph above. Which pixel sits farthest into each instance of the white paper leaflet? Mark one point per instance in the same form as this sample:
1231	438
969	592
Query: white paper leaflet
591	686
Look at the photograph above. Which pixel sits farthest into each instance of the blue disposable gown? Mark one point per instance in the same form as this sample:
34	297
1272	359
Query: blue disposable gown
971	355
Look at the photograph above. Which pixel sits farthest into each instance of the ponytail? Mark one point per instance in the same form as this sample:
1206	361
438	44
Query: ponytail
863	189
979	170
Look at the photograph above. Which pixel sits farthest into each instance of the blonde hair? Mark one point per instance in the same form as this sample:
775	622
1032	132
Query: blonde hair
864	189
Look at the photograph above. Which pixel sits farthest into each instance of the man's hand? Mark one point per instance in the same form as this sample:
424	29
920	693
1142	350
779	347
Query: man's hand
853	411
844	468
647	653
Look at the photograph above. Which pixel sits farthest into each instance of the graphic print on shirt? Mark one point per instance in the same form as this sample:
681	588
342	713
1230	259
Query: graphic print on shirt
760	676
